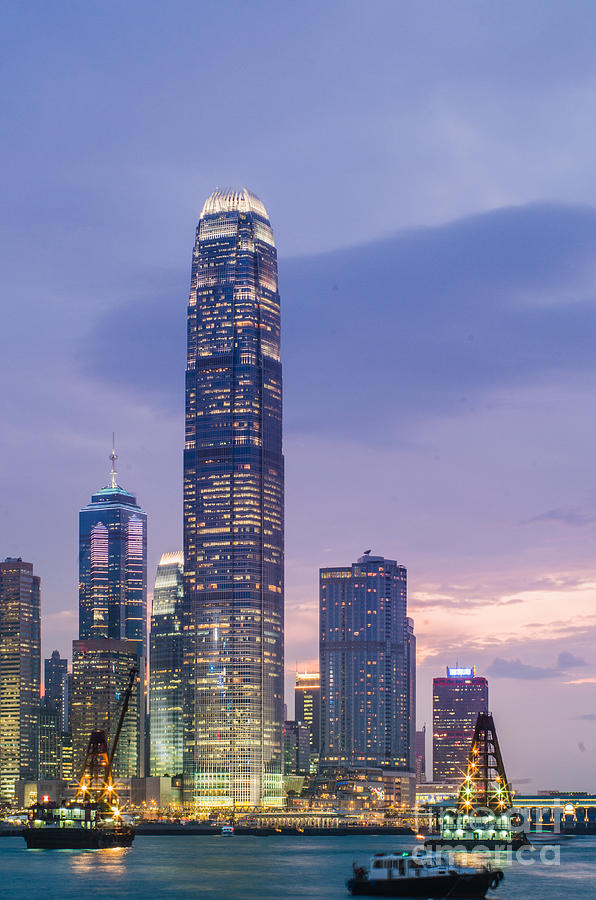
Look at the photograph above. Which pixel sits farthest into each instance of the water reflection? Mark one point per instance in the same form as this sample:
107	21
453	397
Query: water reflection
110	861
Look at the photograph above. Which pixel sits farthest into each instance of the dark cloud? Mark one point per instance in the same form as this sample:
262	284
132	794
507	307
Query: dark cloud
515	668
567	660
426	322
587	717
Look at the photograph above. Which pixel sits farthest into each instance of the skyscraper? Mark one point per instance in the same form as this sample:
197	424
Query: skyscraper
457	700
233	510
20	673
112	623
57	687
307	703
367	654
165	666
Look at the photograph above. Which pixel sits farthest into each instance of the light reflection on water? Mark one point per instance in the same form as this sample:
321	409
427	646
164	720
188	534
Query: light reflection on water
246	868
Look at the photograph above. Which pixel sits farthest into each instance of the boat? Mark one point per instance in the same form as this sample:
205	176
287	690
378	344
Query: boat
421	874
227	829
92	821
484	817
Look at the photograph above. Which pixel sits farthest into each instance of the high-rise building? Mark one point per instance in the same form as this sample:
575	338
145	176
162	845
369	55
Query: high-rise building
49	744
57	687
233	510
112	624
296	748
421	755
457	700
165	666
20	674
101	670
307	704
367	666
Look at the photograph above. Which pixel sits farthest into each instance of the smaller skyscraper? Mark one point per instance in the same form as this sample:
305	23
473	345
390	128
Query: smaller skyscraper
296	748
307	701
421	755
166	657
367	666
57	687
50	743
20	674
457	701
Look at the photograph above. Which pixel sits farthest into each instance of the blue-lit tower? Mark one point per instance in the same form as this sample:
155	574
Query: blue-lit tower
233	510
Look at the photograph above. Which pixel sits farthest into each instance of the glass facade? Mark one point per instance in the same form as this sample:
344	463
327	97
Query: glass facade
367	666
165	684
20	674
307	702
233	511
457	701
112	624
57	687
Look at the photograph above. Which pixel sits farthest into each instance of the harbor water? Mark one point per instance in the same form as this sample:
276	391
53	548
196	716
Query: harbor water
241	868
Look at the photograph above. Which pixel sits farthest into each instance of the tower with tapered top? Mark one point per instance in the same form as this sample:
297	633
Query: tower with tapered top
233	511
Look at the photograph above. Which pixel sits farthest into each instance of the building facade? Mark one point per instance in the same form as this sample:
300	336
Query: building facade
367	666
296	748
58	687
112	624
457	701
165	665
421	755
233	511
101	670
307	705
20	673
49	743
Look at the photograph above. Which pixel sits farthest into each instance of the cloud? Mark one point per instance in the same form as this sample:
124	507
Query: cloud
567	660
568	516
515	668
587	717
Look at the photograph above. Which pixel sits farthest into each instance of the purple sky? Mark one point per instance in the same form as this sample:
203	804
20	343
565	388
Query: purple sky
429	173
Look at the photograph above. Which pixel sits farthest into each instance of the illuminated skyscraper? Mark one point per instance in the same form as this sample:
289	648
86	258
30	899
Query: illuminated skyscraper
112	623
57	687
165	666
233	510
457	700
367	666
307	702
20	674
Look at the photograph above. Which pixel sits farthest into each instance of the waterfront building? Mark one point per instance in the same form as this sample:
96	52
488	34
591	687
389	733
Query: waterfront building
101	669
49	743
307	704
58	686
421	755
165	666
367	666
112	624
20	674
458	698
233	511
296	748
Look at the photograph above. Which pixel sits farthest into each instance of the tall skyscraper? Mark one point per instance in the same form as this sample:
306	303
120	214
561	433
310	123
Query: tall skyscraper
457	700
165	665
233	510
307	703
367	666
57	688
112	623
20	673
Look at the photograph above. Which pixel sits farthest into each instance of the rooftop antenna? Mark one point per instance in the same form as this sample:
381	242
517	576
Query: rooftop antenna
113	457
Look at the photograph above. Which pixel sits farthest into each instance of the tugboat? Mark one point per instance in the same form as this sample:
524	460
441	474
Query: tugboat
483	818
92	821
421	875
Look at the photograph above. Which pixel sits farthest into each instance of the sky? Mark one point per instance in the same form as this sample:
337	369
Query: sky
429	173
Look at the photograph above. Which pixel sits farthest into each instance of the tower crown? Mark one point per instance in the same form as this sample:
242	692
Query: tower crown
231	200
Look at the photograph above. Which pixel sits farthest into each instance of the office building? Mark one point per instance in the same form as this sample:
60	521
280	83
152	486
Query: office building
233	511
58	686
20	674
367	666
101	670
112	624
307	705
165	665
296	748
457	701
421	755
49	743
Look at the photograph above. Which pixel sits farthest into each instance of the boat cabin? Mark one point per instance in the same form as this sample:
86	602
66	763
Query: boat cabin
386	866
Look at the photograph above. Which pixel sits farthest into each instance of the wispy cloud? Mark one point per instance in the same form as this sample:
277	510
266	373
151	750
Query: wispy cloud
515	668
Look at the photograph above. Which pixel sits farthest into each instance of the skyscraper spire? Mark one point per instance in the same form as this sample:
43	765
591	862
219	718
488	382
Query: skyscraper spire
113	457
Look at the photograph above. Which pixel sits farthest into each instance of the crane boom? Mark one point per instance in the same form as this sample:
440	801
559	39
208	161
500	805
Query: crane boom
131	680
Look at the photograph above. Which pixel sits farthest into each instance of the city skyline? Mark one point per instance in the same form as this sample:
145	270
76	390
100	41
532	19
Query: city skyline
428	176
